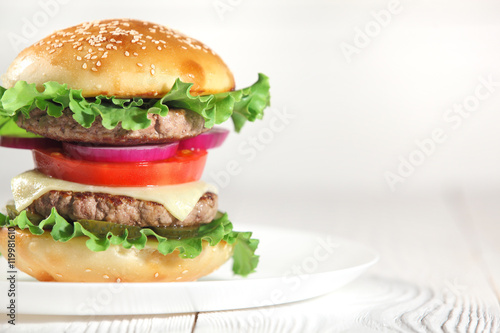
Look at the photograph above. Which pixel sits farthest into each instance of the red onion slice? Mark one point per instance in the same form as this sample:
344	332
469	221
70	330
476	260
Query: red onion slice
27	143
123	154
211	139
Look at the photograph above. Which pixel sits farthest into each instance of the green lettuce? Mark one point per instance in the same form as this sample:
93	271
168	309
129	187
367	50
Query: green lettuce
243	105
221	229
8	127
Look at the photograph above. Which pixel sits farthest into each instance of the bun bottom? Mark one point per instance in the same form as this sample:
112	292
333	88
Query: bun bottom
71	261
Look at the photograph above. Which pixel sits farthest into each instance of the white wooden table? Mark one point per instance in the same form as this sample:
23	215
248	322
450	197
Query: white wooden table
439	270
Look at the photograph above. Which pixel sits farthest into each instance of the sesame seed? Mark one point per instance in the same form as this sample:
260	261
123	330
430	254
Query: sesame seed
78	58
94	69
152	72
98	63
127	54
136	54
94	57
179	278
156	274
159	48
52	51
143	47
105	276
153	66
80	48
118	280
183	47
84	66
139	64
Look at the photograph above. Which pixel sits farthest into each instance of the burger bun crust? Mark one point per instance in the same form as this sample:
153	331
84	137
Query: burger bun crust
122	58
71	261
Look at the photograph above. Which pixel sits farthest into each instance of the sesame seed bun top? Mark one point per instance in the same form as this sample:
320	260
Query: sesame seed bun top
123	58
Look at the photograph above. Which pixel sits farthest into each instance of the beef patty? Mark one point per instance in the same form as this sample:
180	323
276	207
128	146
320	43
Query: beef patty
178	124
75	206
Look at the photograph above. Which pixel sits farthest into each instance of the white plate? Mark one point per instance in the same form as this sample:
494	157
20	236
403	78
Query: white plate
294	266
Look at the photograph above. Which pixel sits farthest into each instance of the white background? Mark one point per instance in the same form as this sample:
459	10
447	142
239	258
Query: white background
353	117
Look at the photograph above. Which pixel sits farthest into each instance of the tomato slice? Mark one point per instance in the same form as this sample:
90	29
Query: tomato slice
186	166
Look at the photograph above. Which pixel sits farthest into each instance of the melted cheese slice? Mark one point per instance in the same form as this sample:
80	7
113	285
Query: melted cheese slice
179	200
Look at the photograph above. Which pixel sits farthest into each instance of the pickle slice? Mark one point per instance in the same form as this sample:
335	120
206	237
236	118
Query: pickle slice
101	229
34	218
176	232
11	211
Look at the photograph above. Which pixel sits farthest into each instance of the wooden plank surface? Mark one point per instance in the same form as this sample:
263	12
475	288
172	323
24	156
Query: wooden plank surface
483	210
120	324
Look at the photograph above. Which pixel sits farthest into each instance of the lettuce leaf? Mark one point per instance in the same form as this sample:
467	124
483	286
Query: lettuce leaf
8	127
221	229
243	105
244	256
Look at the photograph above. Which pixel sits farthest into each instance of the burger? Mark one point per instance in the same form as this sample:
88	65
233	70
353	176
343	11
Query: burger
119	115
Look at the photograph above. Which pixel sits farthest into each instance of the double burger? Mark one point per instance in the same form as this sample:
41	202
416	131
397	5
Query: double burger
119	115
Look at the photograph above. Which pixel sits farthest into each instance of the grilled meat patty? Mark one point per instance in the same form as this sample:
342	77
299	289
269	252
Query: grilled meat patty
178	124
75	206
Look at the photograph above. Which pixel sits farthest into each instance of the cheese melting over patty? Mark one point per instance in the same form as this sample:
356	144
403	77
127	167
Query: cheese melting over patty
179	200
